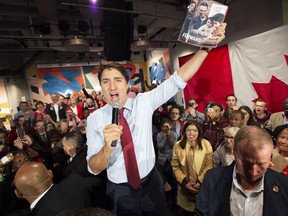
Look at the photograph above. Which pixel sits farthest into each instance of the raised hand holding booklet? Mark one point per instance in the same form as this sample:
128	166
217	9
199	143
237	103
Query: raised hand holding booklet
202	18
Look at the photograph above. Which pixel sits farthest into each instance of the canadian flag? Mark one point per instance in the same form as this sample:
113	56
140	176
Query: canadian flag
251	68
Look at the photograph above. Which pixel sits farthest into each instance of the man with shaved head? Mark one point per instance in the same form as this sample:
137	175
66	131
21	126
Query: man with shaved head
34	183
248	186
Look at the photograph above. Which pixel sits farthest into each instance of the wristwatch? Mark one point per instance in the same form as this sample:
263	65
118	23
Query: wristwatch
206	49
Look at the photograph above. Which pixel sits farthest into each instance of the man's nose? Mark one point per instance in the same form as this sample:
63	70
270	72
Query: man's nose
112	84
253	170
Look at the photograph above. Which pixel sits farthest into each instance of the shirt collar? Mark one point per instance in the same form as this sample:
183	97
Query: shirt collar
33	204
258	189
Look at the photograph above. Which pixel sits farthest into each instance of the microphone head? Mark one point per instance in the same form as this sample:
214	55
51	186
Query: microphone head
116	105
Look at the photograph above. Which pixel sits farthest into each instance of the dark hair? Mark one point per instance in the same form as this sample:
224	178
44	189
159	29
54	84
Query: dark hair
110	66
39	102
235	112
251	120
2	130
165	120
231	95
175	107
183	141
20	116
216	104
192	99
191	2
76	138
39	120
219	17
278	130
204	4
21	151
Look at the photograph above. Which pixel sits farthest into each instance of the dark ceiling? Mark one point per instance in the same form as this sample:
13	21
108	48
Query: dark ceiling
37	31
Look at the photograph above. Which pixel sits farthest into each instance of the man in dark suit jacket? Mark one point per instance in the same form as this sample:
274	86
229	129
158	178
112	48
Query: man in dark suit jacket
34	183
74	146
248	185
56	109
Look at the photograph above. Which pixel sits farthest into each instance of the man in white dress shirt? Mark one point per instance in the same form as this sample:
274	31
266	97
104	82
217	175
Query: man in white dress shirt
148	198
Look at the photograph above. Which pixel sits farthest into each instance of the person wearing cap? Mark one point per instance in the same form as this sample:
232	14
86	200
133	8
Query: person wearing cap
280	153
248	186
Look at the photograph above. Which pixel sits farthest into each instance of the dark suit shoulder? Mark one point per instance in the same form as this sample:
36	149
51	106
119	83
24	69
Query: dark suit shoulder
277	178
219	172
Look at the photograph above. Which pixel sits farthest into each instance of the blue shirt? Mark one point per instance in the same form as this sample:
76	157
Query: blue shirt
138	113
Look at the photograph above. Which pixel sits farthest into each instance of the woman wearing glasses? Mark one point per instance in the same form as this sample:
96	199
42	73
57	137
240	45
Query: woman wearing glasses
224	155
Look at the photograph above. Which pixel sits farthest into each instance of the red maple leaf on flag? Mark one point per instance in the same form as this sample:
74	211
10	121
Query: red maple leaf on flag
286	58
273	92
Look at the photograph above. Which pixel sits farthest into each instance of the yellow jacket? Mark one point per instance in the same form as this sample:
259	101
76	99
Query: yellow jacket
202	162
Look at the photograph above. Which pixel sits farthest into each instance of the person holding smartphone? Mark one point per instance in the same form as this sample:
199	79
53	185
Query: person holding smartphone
191	113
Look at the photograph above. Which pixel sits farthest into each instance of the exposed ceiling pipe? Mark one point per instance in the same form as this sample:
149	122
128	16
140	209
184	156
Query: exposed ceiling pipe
136	13
48	37
30	18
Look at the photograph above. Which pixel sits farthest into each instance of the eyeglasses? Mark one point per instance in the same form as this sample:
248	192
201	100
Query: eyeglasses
191	104
191	130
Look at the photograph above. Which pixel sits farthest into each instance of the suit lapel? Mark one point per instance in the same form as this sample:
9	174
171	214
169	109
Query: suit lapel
272	194
227	185
44	200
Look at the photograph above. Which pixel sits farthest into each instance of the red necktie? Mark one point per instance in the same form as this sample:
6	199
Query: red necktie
129	154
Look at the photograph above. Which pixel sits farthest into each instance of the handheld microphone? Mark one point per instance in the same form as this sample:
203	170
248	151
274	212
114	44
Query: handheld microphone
115	114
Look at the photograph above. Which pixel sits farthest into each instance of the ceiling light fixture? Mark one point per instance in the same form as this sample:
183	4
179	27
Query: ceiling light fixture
76	45
141	44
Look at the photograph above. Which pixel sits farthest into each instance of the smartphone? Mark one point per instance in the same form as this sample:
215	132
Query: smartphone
210	109
20	133
79	129
7	158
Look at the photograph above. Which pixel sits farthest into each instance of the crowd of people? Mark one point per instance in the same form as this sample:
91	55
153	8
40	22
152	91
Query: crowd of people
68	156
53	134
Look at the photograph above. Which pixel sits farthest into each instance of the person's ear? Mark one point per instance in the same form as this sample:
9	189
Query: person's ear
271	164
50	174
18	193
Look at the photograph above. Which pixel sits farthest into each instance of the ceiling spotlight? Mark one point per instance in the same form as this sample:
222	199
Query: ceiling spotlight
64	26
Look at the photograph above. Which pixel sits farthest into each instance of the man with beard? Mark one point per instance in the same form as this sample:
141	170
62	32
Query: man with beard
278	118
246	187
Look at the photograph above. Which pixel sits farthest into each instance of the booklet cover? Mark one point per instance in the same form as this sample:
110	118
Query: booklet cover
202	18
